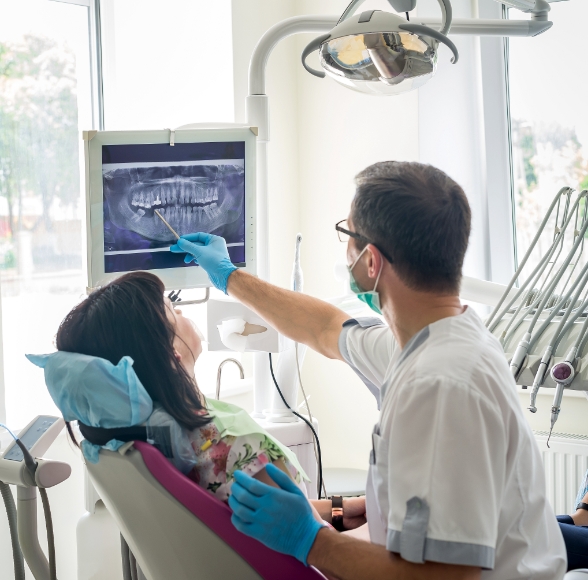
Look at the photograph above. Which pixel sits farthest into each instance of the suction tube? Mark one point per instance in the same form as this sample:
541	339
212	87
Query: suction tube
19	568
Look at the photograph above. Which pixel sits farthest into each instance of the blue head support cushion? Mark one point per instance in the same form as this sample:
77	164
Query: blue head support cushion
96	392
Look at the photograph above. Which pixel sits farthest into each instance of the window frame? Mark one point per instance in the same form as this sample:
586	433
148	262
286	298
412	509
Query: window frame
501	242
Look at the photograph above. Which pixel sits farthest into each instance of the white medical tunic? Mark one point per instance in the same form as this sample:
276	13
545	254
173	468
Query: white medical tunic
455	475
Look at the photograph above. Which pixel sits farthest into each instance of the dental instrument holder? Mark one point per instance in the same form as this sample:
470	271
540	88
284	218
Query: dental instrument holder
563	374
37	437
549	311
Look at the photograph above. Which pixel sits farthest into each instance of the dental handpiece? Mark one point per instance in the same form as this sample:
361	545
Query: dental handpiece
561	329
556	408
297	278
563	374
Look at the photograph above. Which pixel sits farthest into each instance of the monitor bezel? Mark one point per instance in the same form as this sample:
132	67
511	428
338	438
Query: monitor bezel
173	278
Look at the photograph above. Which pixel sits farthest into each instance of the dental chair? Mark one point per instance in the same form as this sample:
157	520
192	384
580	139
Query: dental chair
577	575
175	529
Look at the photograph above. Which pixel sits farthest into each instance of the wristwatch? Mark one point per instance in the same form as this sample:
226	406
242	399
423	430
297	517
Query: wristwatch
337	512
580	506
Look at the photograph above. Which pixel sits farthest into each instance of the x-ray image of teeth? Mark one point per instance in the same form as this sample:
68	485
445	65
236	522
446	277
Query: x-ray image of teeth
207	196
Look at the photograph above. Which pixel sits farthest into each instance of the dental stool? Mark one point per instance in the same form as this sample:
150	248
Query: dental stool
175	529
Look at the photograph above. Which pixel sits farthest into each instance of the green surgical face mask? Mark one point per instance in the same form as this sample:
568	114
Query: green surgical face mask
372	299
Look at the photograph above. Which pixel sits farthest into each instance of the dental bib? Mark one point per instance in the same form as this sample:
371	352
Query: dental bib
99	394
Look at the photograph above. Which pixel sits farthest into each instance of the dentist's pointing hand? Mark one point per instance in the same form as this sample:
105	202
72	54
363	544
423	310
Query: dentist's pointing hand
280	518
210	252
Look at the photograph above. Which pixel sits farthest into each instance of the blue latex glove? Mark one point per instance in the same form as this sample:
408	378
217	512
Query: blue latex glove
281	518
210	252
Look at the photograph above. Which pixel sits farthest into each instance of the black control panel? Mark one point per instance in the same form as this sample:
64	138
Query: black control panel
30	437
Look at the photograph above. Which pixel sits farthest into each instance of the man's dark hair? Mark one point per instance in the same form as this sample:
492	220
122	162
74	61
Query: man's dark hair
419	217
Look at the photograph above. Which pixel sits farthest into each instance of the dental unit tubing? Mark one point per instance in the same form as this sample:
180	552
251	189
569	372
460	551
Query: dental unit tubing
26	501
507	292
528	340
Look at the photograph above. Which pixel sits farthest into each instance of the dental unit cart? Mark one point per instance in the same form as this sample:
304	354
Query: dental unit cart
22	465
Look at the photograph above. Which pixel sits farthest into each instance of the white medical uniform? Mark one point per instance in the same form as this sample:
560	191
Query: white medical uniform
455	475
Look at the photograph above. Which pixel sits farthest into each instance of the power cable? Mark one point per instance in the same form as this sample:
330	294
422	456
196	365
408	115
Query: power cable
19	569
308	409
50	534
320	460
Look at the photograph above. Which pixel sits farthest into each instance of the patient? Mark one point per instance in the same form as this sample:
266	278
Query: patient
131	317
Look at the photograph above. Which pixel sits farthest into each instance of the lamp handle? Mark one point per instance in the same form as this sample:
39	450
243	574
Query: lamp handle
350	10
405	6
311	47
447	12
426	31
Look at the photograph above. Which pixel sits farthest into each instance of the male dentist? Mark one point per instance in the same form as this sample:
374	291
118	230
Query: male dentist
456	486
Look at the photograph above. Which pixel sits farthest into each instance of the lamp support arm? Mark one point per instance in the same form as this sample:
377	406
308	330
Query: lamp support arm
278	32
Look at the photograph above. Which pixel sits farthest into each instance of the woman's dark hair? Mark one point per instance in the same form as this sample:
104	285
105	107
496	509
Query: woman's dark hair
128	318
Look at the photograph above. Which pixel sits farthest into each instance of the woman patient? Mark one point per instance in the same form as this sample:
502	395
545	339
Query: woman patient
131	317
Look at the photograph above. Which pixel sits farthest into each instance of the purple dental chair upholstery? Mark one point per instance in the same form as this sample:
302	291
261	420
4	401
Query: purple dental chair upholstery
176	529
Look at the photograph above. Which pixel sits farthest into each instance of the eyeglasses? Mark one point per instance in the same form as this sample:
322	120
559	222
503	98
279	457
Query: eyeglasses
345	233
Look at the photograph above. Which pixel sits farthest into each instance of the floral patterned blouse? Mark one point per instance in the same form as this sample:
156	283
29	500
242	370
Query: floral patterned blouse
220	456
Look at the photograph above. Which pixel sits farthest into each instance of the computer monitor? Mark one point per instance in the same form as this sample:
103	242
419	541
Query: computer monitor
196	179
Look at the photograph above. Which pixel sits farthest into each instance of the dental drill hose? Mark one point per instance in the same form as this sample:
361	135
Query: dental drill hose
19	569
31	466
318	445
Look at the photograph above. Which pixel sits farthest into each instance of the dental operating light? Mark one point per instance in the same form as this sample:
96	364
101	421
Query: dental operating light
378	52
382	53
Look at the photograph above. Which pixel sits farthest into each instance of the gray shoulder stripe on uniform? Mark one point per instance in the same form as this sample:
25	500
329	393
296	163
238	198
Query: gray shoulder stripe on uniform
459	553
369	321
416	341
347	326
414	530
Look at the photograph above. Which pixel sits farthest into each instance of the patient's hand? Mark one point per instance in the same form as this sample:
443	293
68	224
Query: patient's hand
353	512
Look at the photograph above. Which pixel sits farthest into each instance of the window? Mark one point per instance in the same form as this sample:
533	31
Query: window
166	64
549	123
157	72
45	99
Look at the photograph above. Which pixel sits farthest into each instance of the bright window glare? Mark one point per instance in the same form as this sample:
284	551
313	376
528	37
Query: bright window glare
44	100
548	90
167	64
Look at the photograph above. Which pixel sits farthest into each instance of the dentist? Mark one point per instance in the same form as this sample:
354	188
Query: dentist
456	485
